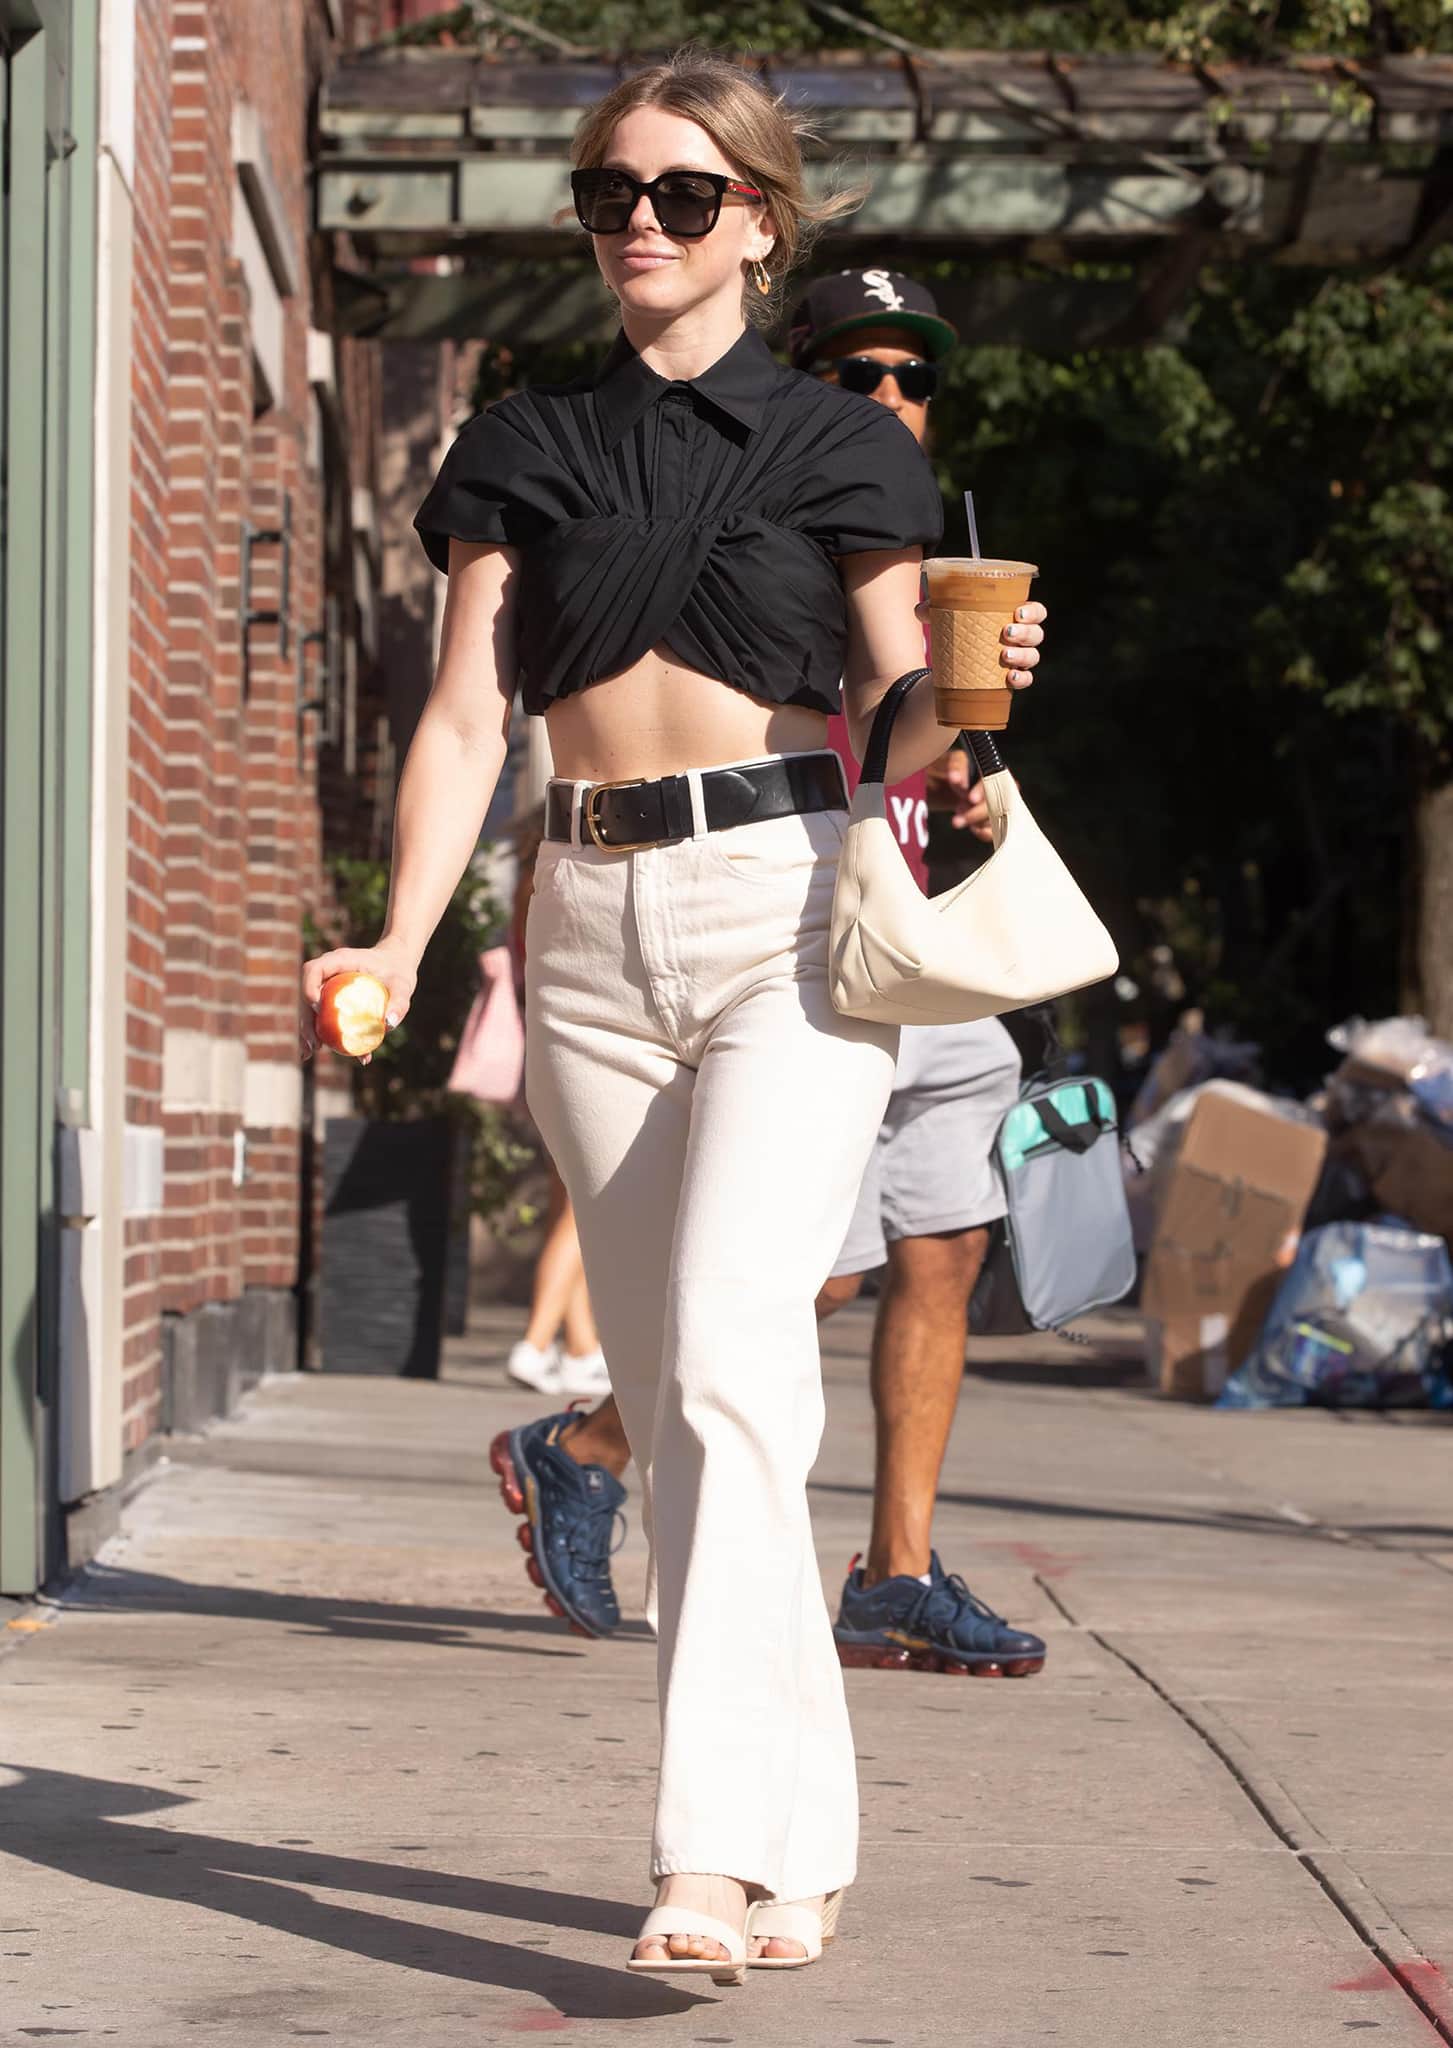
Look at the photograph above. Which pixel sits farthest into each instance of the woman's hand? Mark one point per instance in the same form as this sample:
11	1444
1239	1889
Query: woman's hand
1022	641
387	961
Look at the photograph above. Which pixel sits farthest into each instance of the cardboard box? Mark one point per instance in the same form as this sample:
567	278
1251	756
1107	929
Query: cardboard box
1186	1356
1227	1228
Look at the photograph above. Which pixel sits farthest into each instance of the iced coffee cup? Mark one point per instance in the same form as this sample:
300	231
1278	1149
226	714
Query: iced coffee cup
971	601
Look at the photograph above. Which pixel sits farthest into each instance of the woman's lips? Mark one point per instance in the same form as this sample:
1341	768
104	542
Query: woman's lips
644	259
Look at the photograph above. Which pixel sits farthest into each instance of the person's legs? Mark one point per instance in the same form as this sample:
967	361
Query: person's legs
557	1268
725	969
836	1292
599	1438
786	1103
917	1371
612	1098
953	1087
581	1335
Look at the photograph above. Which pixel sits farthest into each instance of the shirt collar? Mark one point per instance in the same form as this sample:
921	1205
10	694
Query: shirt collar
736	384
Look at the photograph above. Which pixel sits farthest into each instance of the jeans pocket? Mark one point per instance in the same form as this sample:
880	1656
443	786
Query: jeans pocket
781	851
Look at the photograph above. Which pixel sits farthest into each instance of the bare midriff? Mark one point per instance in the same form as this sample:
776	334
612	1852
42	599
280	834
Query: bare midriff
661	718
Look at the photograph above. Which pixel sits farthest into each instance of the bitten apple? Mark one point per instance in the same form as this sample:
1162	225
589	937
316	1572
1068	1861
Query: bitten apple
351	1013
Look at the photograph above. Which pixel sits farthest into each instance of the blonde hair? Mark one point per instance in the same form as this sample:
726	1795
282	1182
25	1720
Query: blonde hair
755	129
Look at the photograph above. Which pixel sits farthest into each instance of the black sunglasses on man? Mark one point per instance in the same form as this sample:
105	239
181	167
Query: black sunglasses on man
916	379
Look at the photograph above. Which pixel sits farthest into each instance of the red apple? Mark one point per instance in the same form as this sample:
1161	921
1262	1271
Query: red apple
351	1013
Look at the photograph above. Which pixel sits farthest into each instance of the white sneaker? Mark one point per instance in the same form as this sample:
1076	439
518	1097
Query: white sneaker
535	1368
583	1378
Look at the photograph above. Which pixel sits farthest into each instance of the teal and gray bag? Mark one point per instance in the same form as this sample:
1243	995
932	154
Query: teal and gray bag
1067	1227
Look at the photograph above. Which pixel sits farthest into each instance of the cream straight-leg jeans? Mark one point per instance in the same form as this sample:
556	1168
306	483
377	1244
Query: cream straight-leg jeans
711	1116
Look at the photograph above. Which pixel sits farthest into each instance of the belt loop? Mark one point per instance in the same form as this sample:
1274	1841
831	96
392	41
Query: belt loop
699	827
578	793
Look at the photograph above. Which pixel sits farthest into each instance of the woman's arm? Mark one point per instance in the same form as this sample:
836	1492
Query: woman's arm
885	641
449	775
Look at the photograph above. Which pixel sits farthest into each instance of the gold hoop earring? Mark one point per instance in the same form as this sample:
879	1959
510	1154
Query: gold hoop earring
760	278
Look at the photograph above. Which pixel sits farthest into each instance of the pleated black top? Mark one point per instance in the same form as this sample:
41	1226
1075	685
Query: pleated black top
704	517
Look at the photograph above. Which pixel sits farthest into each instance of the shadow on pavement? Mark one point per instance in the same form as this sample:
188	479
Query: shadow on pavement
84	1828
1225	1521
109	1589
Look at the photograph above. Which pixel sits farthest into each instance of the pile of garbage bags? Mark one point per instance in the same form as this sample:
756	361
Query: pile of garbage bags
1297	1253
1362	1320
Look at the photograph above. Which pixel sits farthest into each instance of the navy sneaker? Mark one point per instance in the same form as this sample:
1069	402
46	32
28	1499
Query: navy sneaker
902	1625
570	1515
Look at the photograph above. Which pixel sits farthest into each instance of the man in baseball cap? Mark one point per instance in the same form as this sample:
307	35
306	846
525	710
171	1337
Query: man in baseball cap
853	301
930	1192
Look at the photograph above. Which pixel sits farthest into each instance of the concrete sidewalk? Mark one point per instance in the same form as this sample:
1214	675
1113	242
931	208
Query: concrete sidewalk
304	1758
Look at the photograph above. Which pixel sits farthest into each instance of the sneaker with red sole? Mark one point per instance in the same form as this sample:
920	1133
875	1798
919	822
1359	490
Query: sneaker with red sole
903	1624
569	1530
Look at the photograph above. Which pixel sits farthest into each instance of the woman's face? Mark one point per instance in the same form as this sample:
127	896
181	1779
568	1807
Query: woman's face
659	275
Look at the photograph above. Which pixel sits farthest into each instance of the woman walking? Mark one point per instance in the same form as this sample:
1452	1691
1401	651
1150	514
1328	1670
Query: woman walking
677	560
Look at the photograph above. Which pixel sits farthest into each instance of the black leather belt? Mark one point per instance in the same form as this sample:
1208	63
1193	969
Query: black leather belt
623	817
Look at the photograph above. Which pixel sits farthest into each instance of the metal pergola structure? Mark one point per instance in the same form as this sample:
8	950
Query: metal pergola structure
439	172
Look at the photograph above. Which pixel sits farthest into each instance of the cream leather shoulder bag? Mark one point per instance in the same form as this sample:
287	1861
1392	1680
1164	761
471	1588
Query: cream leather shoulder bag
1016	931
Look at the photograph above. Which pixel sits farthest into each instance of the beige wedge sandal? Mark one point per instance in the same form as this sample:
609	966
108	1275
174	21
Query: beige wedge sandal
663	1921
812	1926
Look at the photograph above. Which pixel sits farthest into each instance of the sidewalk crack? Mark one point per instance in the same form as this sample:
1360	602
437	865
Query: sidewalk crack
1406	1971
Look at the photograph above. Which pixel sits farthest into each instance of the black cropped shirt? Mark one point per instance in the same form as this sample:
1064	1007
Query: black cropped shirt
704	517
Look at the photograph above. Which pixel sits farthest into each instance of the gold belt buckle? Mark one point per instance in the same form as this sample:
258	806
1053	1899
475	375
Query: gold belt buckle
591	816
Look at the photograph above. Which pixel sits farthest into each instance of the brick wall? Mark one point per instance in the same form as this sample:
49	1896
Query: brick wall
146	779
225	823
206	432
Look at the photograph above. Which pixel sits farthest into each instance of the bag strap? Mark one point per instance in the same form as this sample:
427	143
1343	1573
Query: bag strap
875	757
983	750
1074	1137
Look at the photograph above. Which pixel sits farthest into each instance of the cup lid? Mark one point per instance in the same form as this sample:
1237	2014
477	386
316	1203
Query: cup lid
982	565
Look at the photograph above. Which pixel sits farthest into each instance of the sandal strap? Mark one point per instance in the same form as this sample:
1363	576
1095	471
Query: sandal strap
789	1923
663	1920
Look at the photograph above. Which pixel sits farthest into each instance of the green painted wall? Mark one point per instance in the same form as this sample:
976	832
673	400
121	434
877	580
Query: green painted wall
47	341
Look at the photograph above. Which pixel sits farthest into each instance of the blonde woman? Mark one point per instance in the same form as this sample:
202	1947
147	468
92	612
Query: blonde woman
676	560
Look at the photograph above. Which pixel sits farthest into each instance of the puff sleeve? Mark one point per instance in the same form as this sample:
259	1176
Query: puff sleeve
499	484
870	487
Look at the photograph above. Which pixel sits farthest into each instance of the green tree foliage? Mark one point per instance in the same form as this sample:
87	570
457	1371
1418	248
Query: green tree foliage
1247	541
1251	30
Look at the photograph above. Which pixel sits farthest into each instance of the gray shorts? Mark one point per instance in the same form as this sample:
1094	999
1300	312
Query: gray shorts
930	1170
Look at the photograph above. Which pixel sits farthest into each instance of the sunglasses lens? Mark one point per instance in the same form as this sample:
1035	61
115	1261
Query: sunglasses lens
687	206
917	381
603	201
859	373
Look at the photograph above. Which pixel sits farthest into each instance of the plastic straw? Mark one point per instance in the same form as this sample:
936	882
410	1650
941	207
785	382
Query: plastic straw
973	528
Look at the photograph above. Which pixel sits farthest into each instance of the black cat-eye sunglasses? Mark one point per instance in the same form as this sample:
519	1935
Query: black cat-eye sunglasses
686	203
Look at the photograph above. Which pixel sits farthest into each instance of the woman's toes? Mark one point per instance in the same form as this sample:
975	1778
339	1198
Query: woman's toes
694	1948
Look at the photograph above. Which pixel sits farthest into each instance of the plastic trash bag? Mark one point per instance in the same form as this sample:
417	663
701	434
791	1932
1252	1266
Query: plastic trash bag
1362	1319
1406	1051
